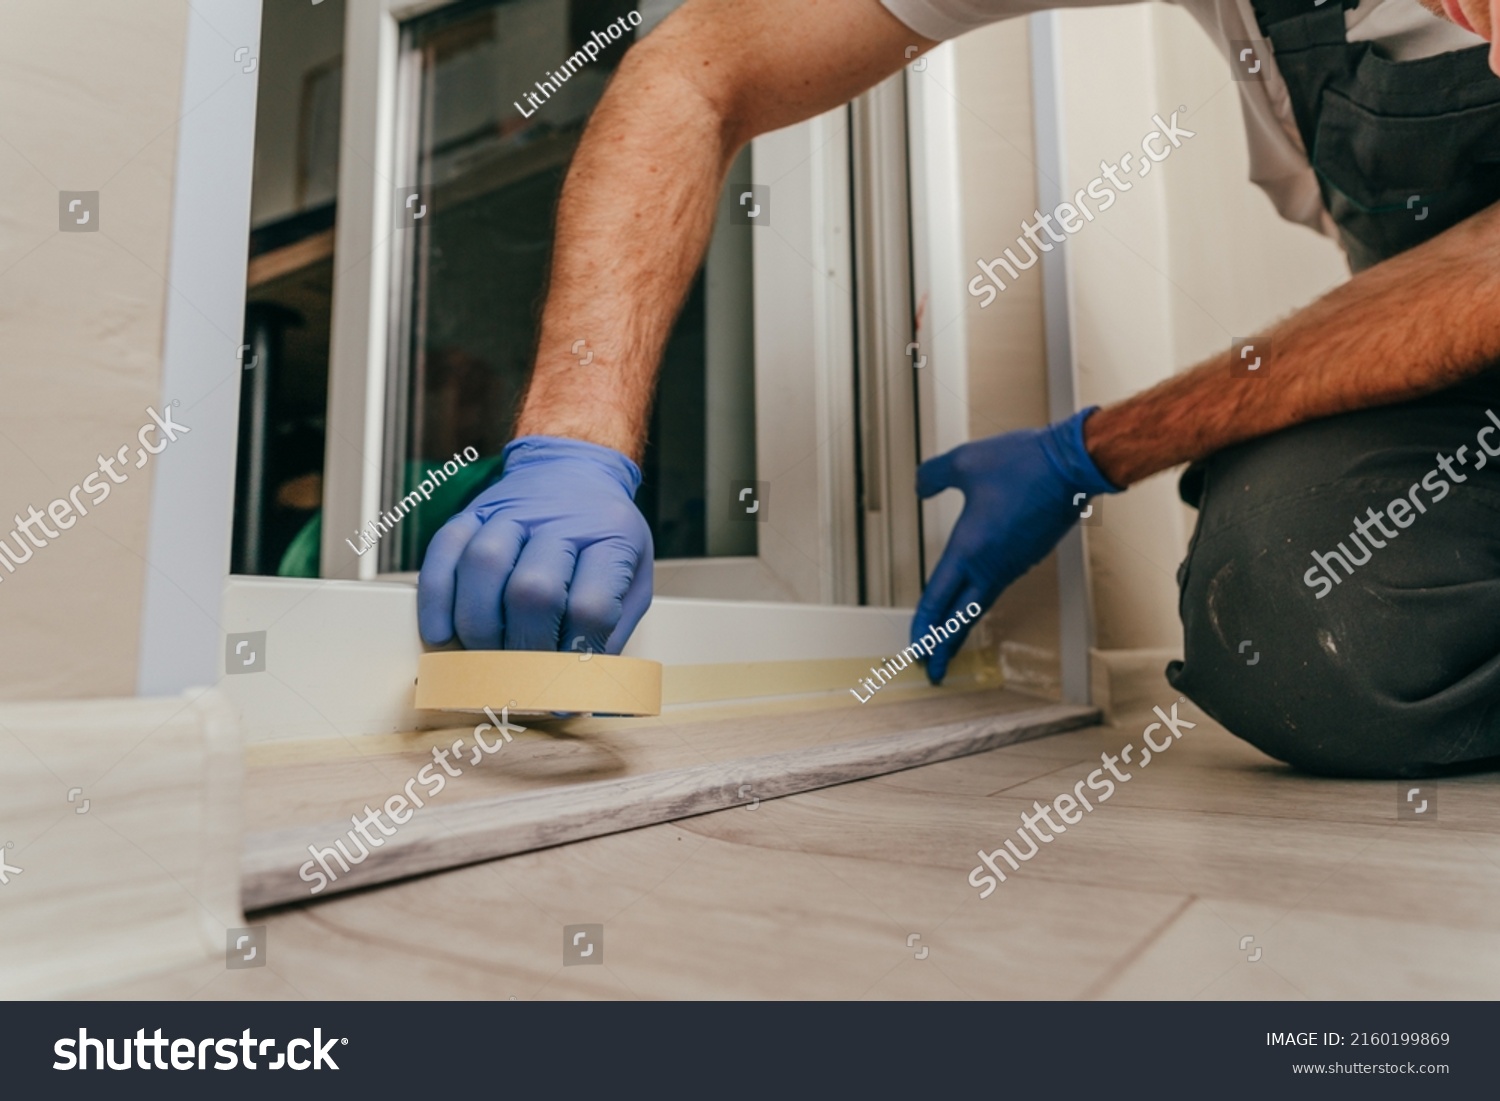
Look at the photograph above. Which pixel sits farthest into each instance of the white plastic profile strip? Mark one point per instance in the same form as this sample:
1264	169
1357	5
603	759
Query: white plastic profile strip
192	497
937	277
340	657
452	835
1075	612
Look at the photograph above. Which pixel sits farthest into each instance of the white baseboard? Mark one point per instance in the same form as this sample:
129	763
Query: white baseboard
123	818
1127	684
340	657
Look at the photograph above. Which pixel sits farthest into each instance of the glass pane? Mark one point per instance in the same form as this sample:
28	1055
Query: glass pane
289	293
495	98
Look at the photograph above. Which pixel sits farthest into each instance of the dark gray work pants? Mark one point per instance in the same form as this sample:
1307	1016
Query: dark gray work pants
1396	671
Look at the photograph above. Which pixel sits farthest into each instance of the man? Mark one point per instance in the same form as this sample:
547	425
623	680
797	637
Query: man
1393	670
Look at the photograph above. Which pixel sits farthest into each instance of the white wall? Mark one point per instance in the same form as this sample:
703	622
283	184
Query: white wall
1006	385
1193	256
92	95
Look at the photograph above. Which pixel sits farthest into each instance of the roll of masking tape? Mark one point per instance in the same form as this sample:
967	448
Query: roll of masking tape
537	680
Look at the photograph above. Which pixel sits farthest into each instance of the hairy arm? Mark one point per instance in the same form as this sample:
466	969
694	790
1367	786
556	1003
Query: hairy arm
1418	322
637	208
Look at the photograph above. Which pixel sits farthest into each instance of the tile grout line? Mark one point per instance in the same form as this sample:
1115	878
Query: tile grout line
1092	992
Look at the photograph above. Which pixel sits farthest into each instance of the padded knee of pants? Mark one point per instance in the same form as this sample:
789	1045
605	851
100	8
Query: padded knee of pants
1393	673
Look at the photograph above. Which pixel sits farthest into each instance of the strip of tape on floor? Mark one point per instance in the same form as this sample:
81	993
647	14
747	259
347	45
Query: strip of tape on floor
278	866
538	681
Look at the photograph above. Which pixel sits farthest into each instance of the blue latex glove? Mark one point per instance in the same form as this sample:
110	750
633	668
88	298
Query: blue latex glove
1022	492
554	555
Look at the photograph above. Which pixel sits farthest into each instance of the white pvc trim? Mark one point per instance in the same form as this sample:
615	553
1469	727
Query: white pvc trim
341	656
1075	606
938	266
192	499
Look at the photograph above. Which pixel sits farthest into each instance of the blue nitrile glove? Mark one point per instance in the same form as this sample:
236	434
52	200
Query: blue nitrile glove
1022	492
553	556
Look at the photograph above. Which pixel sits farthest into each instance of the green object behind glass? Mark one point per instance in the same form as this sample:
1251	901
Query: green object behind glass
301	557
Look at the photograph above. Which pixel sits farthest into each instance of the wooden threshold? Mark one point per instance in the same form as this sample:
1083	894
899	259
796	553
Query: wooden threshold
447	835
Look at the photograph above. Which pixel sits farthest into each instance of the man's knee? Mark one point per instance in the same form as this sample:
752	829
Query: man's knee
1357	657
1326	686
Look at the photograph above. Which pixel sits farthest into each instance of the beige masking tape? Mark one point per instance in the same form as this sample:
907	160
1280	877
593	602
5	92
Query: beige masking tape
537	680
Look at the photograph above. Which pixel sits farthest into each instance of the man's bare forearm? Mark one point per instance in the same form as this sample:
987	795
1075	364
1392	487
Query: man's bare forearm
1416	323
633	220
637	209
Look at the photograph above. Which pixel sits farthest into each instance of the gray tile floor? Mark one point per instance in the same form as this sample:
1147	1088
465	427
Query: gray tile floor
1214	873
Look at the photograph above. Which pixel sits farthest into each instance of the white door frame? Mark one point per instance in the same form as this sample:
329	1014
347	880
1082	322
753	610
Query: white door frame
190	599
191	511
1075	629
192	488
803	339
939	266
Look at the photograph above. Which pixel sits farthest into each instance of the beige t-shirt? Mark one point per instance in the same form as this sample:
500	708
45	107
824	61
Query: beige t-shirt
1402	29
